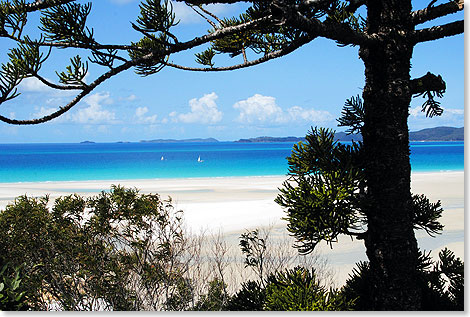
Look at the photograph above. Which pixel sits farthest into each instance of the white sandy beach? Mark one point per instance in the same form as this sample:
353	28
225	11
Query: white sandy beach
233	204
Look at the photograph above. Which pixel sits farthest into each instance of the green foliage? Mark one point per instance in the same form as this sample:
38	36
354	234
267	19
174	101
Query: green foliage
254	248
298	289
445	283
156	16
119	250
215	299
235	43
75	73
251	297
339	12
12	297
426	215
321	196
67	23
154	45
352	115
13	16
358	287
441	283
324	196
205	57
24	61
182	295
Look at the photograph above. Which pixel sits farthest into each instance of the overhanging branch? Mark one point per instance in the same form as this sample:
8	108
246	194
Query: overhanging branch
339	32
438	32
428	82
282	52
201	2
44	4
431	13
151	57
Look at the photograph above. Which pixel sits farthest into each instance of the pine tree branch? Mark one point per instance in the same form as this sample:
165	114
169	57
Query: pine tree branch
354	5
58	87
204	17
431	13
279	53
335	31
94	46
428	82
211	15
151	57
44	4
201	2
220	33
438	32
86	90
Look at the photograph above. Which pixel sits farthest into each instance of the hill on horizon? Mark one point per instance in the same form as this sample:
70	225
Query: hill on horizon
429	134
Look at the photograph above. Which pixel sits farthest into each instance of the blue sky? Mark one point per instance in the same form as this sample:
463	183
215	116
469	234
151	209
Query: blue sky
283	97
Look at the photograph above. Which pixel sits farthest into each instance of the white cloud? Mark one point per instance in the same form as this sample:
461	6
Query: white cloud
140	111
298	113
258	108
131	97
141	118
417	112
263	109
203	110
32	84
94	113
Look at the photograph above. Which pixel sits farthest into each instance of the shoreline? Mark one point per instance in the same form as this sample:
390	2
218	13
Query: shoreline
189	178
232	205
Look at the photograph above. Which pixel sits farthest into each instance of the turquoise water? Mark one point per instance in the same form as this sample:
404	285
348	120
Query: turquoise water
104	161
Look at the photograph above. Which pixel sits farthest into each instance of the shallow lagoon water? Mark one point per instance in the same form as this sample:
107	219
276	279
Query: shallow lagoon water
104	161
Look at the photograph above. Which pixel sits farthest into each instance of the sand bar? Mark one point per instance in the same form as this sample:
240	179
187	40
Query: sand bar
234	204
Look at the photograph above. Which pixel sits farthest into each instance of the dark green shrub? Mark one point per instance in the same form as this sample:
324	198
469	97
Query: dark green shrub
215	299
12	295
250	297
115	251
441	283
298	289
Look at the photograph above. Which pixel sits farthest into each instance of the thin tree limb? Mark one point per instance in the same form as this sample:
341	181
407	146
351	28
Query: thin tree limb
203	16
44	4
438	32
75	100
95	46
334	31
211	14
56	86
431	13
145	59
244	54
288	49
201	2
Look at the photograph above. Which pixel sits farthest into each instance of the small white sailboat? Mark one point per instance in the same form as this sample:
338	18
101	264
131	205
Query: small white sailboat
199	159
162	158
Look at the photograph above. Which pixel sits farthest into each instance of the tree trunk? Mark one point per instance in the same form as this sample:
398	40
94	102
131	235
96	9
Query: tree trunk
391	243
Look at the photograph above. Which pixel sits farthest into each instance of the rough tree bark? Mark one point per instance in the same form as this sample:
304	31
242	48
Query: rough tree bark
391	244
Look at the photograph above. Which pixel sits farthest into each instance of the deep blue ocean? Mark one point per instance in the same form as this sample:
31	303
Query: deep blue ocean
107	161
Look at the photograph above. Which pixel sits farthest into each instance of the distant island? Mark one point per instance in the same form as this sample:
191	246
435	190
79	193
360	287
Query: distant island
211	140
340	136
431	134
438	134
